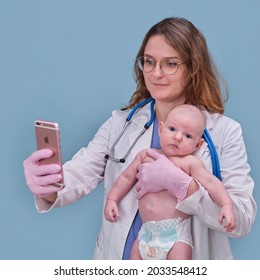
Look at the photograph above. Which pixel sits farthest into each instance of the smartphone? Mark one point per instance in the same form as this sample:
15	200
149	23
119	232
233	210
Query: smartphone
48	137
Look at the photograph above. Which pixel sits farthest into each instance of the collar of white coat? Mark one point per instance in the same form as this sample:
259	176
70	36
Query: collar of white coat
209	119
209	125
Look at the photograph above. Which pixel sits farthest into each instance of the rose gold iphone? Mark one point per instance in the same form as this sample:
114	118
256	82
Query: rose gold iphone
48	137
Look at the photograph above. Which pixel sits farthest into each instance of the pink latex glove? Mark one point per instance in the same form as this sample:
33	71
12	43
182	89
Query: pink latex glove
161	174
40	177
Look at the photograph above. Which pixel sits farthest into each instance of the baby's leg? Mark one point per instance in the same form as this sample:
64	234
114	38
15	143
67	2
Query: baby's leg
180	251
135	254
182	247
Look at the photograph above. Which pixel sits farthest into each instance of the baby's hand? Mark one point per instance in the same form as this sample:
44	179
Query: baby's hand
227	218
111	211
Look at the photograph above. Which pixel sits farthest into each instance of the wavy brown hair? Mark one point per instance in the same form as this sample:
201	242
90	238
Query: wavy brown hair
203	83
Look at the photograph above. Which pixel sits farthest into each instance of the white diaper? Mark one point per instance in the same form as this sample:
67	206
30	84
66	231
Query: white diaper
156	238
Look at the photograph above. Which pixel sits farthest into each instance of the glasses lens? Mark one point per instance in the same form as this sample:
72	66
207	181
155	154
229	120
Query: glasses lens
169	67
140	62
146	64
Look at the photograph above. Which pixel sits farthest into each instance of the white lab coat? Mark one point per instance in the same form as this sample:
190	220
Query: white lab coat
88	168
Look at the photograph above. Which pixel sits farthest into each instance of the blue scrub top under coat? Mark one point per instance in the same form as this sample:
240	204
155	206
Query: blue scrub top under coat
137	223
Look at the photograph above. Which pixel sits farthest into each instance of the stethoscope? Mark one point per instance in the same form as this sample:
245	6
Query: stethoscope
206	136
127	122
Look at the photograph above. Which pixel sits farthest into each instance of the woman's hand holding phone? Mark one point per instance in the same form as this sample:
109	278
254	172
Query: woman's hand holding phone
43	168
40	178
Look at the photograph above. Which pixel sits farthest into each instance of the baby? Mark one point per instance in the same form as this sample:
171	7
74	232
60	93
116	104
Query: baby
166	232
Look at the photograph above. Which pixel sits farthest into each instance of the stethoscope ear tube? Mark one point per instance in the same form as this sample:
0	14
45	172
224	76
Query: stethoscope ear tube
139	105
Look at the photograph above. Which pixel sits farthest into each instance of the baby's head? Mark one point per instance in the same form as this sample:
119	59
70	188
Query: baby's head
181	133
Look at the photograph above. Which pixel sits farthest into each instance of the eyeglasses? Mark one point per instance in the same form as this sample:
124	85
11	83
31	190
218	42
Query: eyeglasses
167	65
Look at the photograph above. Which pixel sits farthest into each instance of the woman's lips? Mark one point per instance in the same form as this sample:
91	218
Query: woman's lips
159	85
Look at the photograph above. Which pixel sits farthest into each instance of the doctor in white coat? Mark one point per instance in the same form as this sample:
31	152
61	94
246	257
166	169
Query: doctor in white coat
174	67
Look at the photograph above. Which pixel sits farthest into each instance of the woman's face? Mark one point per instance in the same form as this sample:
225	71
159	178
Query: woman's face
162	87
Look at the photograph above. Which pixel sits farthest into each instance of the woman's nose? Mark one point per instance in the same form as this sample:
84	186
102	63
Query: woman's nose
157	70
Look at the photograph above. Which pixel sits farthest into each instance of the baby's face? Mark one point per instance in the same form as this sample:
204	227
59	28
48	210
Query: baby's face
180	135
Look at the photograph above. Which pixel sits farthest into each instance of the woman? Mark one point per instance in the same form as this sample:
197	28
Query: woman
174	67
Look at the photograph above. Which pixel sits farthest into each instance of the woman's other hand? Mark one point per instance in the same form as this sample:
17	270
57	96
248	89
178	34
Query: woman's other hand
161	174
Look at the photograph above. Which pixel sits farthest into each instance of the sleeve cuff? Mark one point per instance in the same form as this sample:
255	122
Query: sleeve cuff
190	204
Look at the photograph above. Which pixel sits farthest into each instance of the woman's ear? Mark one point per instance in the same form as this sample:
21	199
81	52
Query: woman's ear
200	143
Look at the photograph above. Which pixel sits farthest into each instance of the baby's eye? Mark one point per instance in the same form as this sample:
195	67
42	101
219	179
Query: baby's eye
188	136
171	128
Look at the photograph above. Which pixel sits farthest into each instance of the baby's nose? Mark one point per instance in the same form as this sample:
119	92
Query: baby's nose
178	137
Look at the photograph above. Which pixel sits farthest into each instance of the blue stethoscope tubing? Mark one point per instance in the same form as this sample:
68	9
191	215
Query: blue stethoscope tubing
206	136
141	104
213	154
127	122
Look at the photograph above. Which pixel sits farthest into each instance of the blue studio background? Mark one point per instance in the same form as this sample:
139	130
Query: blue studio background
71	62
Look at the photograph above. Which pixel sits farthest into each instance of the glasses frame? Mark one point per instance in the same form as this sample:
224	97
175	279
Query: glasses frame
139	59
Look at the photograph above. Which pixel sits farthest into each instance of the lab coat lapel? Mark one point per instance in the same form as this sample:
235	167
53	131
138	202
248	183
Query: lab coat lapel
203	153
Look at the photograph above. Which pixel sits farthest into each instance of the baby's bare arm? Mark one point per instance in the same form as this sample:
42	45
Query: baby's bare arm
195	168
126	179
210	182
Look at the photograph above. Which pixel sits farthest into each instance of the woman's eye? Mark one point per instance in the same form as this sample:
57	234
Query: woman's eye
148	61
171	64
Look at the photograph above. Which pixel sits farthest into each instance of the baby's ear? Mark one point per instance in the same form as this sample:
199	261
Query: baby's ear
160	126
200	143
